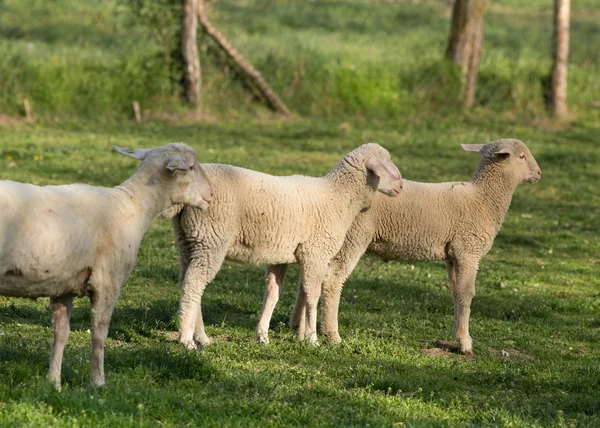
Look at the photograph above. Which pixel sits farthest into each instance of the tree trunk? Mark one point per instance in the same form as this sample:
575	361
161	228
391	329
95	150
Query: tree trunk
255	77
558	97
189	51
465	44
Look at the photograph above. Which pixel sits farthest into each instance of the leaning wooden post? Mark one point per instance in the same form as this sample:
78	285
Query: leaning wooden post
255	77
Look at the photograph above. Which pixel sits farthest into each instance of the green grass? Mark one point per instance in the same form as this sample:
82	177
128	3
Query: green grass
546	314
329	58
353	71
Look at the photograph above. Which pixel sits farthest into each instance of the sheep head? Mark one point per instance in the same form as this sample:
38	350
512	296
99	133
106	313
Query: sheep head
382	174
390	180
175	167
510	155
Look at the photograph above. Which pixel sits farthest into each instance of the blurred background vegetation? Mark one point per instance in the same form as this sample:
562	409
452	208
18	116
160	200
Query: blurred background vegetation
336	58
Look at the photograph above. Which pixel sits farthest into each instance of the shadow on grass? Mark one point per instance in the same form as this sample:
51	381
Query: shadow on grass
412	301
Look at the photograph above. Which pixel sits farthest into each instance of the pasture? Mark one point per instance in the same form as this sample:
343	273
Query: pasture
353	72
535	319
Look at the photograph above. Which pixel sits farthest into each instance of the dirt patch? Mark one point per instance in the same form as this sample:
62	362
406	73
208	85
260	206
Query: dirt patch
445	348
441	348
435	352
10	120
511	353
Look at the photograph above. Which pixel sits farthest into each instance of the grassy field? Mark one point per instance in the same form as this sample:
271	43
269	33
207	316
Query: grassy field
353	71
537	297
331	58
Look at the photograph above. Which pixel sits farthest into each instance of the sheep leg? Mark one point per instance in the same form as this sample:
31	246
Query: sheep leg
184	251
103	303
450	267
339	270
298	321
275	278
200	272
61	308
312	275
463	294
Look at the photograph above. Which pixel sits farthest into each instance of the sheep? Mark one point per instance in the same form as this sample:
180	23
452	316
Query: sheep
77	240
263	219
456	222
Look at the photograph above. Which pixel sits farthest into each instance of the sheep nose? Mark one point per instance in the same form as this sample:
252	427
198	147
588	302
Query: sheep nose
539	173
398	186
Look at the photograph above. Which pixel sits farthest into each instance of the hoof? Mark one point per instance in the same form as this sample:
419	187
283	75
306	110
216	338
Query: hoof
262	338
98	383
203	340
466	346
55	383
190	345
312	340
333	338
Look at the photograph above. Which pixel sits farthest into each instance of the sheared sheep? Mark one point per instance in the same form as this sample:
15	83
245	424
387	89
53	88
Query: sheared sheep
78	240
456	222
260	218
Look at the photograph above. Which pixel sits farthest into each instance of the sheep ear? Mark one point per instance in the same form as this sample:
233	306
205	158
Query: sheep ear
139	154
177	165
390	180
383	169
502	154
473	147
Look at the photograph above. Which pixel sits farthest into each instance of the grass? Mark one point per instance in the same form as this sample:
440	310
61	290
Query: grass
329	58
537	296
353	71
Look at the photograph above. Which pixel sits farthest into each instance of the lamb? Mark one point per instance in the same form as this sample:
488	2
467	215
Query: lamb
456	222
260	218
79	240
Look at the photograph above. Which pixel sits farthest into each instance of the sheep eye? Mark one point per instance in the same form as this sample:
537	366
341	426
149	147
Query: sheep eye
522	156
193	167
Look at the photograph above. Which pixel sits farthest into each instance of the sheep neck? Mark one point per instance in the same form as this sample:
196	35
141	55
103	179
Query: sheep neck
495	186
144	190
349	183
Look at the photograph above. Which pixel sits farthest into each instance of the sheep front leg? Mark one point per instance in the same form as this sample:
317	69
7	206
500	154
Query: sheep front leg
339	270
61	308
275	278
463	293
332	291
312	275
103	303
200	272
298	320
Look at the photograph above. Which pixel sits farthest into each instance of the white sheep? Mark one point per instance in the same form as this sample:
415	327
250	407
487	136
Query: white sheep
79	240
456	222
260	218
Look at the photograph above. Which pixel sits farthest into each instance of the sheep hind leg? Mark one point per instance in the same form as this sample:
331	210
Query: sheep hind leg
463	294
61	308
298	319
450	267
275	278
103	303
200	272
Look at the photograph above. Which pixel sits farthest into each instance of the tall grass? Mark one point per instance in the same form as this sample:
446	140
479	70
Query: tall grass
328	58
